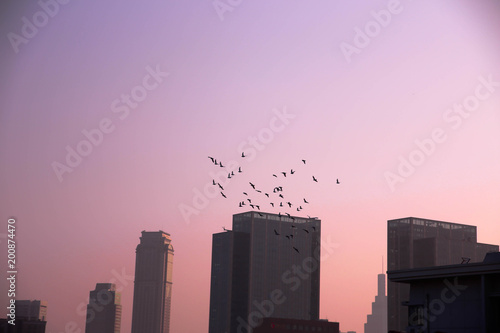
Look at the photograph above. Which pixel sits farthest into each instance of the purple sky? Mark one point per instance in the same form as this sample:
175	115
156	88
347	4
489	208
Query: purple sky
363	115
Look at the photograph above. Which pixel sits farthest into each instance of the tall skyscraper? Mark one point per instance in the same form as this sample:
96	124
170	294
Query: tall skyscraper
104	311
153	283
376	322
31	310
415	242
267	266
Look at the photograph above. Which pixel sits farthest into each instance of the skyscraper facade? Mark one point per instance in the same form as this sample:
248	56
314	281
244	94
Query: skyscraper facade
267	266
376	322
104	311
153	283
413	243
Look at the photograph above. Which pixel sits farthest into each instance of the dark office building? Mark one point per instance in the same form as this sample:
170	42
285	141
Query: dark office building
267	266
279	325
104	311
458	298
153	283
30	317
415	242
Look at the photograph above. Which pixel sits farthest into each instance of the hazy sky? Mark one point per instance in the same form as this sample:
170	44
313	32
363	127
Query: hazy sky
108	112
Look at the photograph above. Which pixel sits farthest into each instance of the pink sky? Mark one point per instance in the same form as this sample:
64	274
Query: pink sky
353	120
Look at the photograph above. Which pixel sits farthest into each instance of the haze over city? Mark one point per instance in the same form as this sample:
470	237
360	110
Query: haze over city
109	111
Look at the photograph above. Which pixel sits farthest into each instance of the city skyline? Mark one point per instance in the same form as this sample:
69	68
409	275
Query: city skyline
109	111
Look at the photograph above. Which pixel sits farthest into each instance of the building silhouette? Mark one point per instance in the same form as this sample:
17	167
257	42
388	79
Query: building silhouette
279	325
415	242
453	298
30	317
104	311
267	266
153	283
376	322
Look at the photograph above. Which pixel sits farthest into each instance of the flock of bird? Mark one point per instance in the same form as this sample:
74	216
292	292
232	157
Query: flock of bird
275	198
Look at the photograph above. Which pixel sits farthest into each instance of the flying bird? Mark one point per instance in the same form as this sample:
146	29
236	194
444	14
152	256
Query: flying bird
284	174
276	233
245	193
239	169
305	201
292	172
306	230
296	249
223	195
304	161
220	186
225	229
258	207
251	205
213	182
338	181
272	204
281	196
220	164
213	159
258	191
275	175
314	178
313	228
243	154
228	175
253	186
267	195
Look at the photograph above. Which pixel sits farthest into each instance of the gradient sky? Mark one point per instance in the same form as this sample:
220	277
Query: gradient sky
227	75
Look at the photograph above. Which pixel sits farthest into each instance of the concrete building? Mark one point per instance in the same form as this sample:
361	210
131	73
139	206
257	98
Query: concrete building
153	283
104	311
460	298
31	310
31	317
280	325
376	322
414	242
267	266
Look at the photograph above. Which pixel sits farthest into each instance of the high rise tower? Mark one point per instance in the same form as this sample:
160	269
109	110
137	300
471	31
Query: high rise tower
153	283
104	311
267	266
415	243
376	322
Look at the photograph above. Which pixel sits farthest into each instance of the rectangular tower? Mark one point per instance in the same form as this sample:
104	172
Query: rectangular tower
153	283
104	311
267	266
414	242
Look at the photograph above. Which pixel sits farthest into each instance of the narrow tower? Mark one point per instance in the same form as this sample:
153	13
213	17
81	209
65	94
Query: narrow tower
153	283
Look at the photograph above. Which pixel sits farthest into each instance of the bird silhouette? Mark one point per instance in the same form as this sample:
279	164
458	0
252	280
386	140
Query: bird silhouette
220	186
258	191
213	159
220	164
253	186
272	204
225	229
232	173
306	230
304	161
305	201
281	196
276	233
267	195
296	249
289	204
338	181
223	195
287	236
281	204
284	174
258	207
213	182
249	200
241	204
239	169
243	154
245	193
292	172
313	228
260	214
228	175
252	206
275	175
314	178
